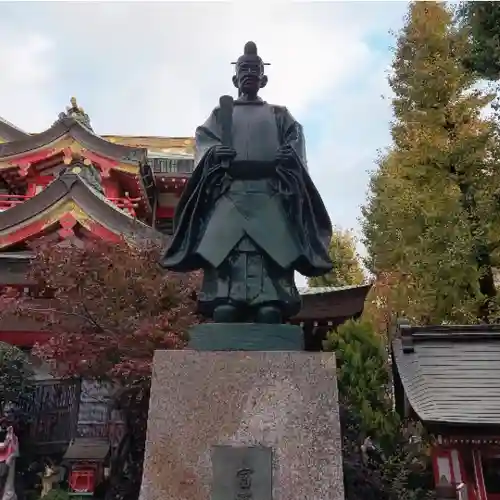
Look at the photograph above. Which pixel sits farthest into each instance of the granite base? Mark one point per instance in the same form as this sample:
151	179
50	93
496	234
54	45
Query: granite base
283	400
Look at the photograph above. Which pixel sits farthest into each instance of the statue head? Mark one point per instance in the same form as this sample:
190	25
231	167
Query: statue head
73	102
249	75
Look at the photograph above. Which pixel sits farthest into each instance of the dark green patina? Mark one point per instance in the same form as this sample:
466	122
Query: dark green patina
246	337
250	216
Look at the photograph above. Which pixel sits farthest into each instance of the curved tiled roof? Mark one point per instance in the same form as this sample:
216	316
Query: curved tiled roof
94	204
450	374
9	132
79	132
329	303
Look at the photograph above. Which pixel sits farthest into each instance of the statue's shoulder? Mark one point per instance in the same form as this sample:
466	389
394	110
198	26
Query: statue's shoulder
212	118
215	114
282	112
279	108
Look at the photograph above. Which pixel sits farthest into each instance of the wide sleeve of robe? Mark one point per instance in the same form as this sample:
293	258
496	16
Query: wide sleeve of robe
303	205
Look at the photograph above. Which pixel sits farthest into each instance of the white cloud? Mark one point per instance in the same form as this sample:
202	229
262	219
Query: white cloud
159	68
26	76
186	66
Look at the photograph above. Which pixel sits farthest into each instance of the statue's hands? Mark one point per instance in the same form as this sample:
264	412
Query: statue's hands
285	154
224	153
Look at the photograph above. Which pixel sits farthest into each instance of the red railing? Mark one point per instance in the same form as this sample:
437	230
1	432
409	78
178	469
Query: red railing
9	200
125	203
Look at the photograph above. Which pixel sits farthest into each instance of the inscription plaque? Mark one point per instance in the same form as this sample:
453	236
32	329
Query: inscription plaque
242	473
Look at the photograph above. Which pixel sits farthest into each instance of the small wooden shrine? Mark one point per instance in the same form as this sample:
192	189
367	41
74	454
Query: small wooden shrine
448	378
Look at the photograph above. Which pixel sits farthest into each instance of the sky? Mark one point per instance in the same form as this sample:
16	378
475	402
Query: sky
159	68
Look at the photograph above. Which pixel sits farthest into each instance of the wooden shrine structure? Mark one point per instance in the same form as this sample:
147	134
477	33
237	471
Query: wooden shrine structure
448	377
69	182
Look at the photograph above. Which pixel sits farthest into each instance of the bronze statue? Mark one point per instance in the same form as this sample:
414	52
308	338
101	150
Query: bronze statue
250	215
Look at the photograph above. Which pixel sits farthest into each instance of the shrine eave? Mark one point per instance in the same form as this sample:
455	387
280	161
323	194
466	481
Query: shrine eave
9	132
322	304
449	374
155	143
81	134
69	198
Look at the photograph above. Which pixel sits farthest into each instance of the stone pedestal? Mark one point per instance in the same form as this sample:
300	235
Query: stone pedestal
201	401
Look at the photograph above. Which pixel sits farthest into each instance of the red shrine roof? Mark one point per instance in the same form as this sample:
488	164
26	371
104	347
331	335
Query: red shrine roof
65	205
73	128
27	155
449	375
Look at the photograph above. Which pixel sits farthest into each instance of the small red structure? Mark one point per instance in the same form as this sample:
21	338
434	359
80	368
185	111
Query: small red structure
82	480
448	377
85	458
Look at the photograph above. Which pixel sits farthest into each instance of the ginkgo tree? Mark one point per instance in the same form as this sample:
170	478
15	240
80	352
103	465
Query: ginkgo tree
482	19
347	268
432	215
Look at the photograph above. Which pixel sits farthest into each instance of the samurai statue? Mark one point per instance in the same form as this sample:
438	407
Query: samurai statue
250	215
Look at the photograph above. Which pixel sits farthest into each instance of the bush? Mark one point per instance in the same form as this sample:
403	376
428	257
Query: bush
16	383
395	466
363	376
57	494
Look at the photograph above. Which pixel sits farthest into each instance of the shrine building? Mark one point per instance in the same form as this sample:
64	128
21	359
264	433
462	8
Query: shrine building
448	378
67	183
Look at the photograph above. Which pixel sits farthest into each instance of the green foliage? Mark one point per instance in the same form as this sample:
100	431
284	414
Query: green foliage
347	269
432	215
57	494
363	376
483	22
431	227
15	377
401	471
363	382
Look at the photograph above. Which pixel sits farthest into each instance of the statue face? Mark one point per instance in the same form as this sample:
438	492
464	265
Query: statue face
249	76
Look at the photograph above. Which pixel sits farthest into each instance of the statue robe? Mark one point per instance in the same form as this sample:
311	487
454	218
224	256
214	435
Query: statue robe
250	226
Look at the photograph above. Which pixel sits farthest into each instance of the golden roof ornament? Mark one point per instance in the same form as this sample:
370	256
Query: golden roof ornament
73	109
77	112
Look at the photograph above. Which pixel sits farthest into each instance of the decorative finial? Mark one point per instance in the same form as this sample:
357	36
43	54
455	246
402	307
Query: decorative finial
76	112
